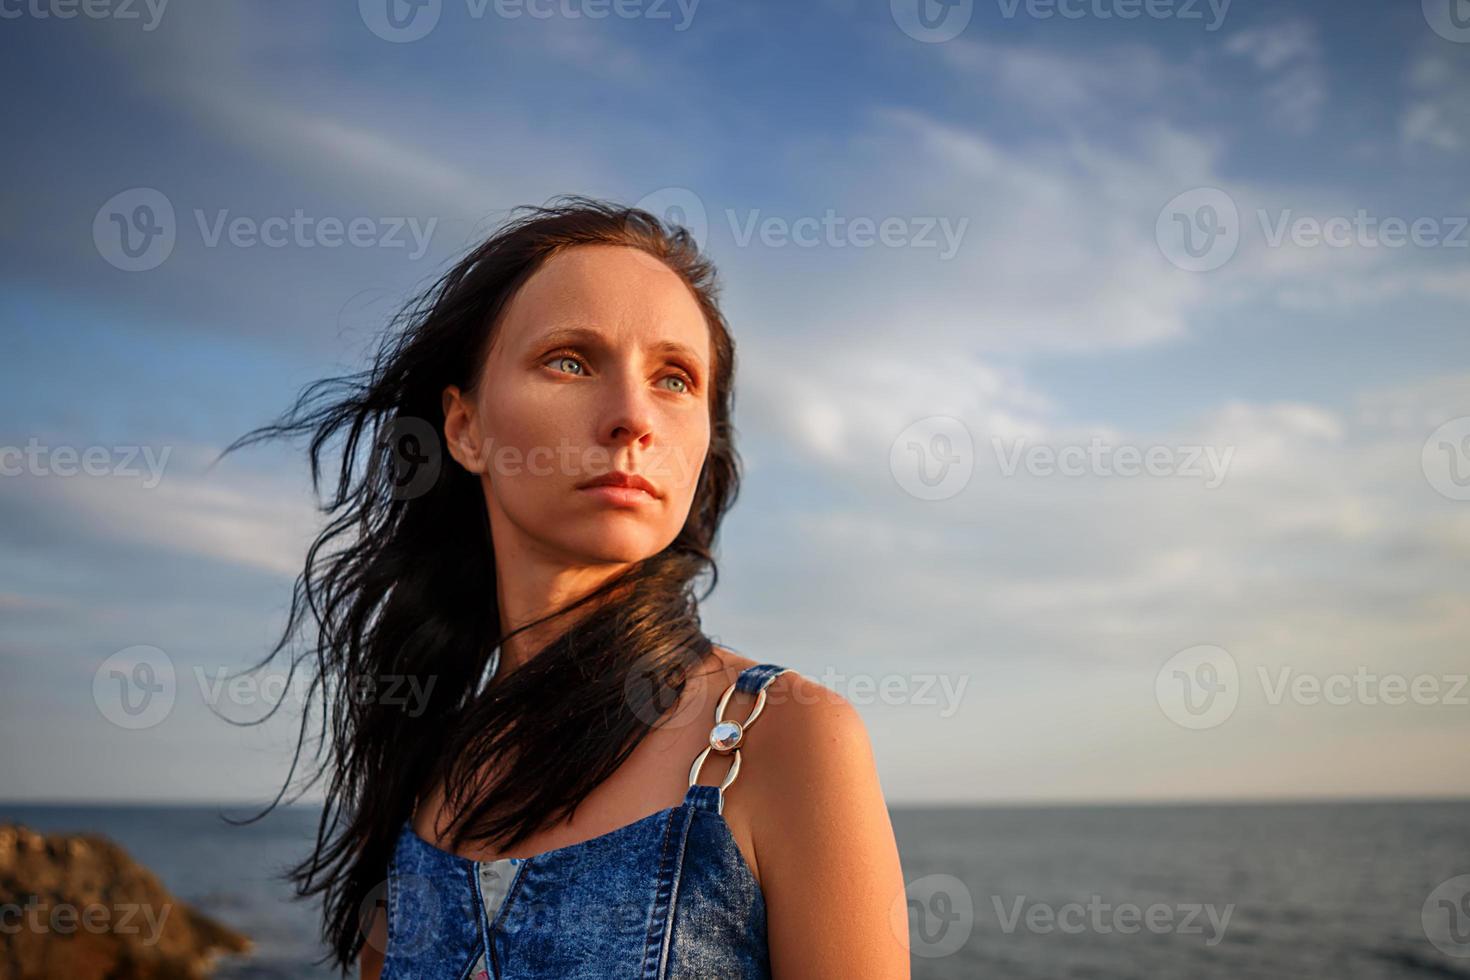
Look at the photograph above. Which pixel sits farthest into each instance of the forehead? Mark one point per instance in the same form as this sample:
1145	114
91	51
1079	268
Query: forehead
622	293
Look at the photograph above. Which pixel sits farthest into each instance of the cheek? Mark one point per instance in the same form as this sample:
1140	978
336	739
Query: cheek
523	434
688	446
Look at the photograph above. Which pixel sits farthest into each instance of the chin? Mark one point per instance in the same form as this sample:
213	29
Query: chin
612	544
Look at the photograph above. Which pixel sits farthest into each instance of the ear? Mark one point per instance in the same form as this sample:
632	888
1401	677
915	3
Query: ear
462	430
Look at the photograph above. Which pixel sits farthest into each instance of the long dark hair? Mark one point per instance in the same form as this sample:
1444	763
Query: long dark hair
401	584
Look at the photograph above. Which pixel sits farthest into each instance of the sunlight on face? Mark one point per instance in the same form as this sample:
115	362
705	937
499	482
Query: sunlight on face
601	363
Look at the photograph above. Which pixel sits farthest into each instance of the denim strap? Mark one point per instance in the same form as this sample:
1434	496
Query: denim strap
753	679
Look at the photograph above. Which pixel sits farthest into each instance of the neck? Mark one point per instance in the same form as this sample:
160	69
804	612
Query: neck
531	585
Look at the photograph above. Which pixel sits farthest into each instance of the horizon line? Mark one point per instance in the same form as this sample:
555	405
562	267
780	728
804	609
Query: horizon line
1018	803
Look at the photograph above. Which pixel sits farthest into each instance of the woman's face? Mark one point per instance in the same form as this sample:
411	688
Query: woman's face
601	364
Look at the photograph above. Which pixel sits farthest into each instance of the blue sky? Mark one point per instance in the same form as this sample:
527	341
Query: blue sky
1059	152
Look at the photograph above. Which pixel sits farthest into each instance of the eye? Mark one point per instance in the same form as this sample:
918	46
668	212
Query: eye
564	358
684	383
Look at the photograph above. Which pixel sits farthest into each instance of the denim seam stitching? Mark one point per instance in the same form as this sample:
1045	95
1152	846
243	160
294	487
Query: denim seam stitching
482	926
392	902
659	899
657	892
511	892
672	911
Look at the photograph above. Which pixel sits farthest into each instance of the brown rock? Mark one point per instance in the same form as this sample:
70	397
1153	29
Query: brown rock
77	906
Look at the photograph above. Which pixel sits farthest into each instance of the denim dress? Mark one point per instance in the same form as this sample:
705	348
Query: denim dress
669	895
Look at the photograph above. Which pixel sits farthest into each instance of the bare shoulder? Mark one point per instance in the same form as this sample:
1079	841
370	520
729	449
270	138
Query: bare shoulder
820	827
815	738
799	708
807	737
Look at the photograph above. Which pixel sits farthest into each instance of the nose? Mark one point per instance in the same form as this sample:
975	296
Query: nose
628	415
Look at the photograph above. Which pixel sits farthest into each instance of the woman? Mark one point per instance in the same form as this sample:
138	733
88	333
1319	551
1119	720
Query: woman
549	464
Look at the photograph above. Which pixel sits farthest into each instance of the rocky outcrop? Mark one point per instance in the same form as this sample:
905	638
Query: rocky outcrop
77	906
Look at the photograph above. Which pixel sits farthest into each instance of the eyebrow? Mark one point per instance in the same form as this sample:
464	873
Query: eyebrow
573	335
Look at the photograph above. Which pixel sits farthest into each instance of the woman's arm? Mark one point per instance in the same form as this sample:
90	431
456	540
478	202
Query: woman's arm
828	859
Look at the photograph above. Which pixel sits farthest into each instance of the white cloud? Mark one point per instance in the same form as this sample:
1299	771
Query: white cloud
1066	83
254	520
1058	250
1290	60
1323	549
838	403
1435	112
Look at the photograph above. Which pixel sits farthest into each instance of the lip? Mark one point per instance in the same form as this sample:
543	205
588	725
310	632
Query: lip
618	487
